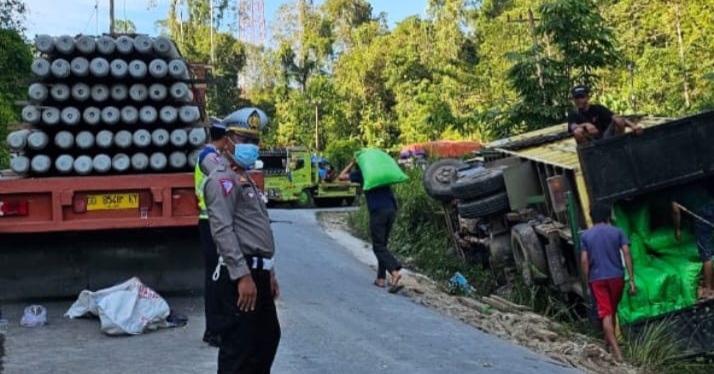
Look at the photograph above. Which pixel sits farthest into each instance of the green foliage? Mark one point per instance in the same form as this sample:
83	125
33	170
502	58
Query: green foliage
340	152
7	115
192	36
419	236
579	43
469	70
124	26
12	15
15	60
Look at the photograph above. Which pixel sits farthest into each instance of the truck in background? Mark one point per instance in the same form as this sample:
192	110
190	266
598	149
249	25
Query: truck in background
293	175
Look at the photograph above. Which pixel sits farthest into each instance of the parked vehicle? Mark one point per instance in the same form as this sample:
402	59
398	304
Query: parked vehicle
293	175
526	201
109	194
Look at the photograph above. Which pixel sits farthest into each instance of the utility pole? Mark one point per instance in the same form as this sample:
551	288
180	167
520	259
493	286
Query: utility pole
317	124
212	50
111	16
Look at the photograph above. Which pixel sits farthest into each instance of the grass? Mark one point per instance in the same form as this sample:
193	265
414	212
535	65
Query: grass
655	350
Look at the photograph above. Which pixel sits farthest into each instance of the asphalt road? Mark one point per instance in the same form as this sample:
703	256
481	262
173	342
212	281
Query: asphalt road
333	321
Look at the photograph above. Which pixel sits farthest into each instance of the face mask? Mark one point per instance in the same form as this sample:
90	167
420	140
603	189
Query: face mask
246	154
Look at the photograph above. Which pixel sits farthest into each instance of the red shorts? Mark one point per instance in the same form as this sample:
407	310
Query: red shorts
607	294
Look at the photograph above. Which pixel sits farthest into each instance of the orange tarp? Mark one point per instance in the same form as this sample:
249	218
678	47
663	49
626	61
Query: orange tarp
443	148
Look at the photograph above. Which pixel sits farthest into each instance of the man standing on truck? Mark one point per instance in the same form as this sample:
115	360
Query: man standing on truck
382	206
697	201
208	159
594	121
601	265
245	285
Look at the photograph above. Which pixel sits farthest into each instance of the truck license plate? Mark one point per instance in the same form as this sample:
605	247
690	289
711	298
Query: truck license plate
111	201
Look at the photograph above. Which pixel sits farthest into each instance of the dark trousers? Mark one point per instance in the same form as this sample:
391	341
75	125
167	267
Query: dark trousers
249	340
380	224
210	260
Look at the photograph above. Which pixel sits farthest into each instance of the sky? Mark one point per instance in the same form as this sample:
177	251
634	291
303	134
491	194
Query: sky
57	17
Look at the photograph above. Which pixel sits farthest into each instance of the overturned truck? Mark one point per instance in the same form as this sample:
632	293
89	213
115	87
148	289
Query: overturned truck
525	200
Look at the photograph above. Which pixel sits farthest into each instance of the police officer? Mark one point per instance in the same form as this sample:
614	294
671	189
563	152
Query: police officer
245	285
208	159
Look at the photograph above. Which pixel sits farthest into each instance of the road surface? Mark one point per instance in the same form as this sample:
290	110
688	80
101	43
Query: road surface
333	321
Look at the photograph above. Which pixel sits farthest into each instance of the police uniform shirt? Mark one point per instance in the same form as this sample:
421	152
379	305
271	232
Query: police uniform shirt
239	219
209	159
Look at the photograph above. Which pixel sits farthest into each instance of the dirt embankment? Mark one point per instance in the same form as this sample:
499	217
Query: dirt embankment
506	320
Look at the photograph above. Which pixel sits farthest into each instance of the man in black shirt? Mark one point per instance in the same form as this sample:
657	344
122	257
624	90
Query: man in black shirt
593	121
382	206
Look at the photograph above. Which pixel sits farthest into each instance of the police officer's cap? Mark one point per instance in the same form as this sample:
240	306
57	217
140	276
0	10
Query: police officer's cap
246	122
218	129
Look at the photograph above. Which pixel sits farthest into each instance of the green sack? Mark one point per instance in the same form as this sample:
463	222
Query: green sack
633	308
638	252
689	272
622	220
640	219
663	238
378	169
662	281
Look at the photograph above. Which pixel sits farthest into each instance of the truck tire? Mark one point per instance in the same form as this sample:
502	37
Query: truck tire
438	177
528	254
480	208
305	200
482	183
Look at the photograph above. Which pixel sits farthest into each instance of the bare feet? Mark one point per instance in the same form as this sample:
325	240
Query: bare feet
379	282
396	277
396	287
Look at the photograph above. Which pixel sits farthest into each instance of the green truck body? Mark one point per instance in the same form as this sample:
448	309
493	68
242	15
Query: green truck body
292	175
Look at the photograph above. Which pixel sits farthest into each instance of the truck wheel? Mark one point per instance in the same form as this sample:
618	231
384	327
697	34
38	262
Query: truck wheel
481	183
528	254
305	200
480	208
438	177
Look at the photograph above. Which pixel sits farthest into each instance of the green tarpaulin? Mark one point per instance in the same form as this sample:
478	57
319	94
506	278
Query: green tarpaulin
666	271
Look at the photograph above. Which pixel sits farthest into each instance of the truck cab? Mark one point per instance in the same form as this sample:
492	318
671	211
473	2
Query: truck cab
293	175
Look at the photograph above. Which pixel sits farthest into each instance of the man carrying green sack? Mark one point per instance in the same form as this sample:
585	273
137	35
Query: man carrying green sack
382	206
378	169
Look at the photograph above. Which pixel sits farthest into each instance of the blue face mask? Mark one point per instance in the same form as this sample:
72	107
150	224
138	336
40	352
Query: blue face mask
246	154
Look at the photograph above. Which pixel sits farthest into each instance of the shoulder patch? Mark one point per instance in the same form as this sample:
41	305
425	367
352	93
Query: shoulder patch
227	185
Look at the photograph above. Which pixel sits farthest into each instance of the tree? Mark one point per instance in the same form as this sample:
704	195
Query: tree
344	16
124	26
189	23
15	61
12	15
579	43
